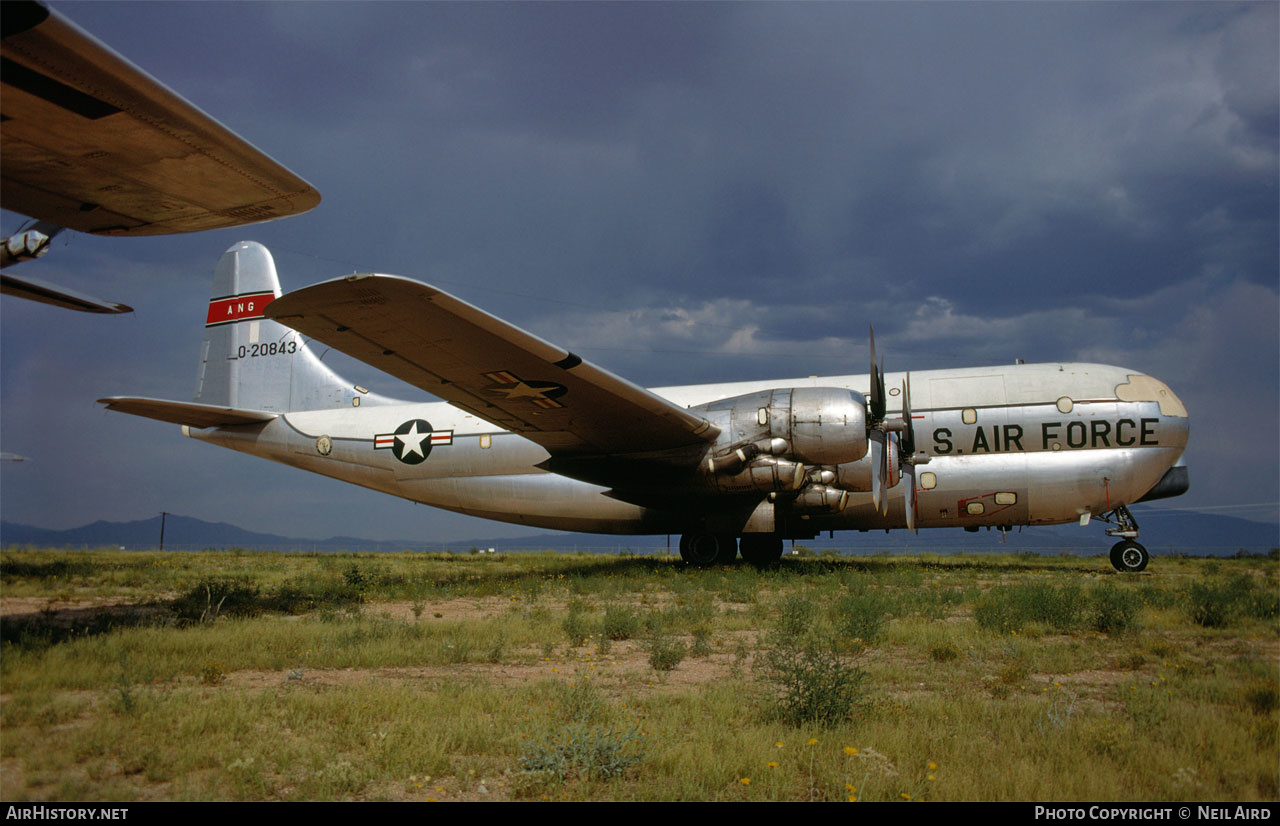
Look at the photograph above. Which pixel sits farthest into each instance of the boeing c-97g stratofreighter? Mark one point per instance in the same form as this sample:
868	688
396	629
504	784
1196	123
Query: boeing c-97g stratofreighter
531	433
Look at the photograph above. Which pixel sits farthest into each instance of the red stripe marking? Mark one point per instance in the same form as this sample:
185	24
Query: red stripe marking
238	308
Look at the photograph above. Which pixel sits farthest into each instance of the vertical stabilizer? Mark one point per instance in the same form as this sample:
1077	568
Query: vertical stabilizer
248	362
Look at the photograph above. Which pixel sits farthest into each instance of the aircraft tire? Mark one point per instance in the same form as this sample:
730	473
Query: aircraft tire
1128	557
702	550
728	553
761	551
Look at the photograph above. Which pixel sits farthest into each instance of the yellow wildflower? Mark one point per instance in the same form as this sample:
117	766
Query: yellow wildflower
850	750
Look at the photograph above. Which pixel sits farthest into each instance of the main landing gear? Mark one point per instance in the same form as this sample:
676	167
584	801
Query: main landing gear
702	550
1127	556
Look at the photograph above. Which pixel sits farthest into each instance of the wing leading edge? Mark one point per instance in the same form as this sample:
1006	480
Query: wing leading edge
488	367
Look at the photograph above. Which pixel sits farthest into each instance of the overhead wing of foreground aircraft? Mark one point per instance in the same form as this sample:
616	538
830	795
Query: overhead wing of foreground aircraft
90	142
533	434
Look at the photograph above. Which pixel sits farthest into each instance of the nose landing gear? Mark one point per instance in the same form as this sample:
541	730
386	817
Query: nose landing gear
1127	556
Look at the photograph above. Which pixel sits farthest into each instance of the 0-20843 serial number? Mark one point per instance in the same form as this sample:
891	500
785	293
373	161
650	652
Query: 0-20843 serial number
274	348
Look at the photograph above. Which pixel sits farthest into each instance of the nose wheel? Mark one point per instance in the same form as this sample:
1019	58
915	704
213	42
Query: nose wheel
1129	557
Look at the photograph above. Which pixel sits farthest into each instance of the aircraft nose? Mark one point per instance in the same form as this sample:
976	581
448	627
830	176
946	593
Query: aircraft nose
1141	388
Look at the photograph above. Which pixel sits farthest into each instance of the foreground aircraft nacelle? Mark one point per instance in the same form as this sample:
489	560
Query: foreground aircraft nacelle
530	433
767	438
815	425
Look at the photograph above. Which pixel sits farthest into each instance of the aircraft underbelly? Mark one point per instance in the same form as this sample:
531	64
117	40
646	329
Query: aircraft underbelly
539	499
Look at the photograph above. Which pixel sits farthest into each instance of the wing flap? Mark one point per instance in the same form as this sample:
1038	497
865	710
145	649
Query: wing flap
488	367
186	413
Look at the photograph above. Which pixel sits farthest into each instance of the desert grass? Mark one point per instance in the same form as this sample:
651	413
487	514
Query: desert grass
260	676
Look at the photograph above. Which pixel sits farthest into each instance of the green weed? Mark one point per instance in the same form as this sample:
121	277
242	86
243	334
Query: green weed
665	651
1112	610
576	626
620	622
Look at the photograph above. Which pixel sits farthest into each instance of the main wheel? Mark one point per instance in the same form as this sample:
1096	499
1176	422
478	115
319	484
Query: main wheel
702	550
761	550
1129	557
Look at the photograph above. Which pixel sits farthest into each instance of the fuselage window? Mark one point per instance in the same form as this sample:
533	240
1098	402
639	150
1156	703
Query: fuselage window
969	415
975	508
928	480
1065	404
485	440
1006	498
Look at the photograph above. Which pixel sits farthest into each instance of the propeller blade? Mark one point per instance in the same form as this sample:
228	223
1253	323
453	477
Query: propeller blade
893	462
909	432
876	438
909	479
877	383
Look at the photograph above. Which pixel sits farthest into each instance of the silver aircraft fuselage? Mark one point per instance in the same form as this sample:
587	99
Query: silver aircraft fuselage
1028	444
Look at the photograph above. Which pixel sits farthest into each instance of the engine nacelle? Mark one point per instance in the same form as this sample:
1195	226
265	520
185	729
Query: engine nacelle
854	476
810	425
821	498
763	473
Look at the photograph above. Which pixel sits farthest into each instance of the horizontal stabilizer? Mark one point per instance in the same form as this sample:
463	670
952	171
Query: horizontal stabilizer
187	413
47	293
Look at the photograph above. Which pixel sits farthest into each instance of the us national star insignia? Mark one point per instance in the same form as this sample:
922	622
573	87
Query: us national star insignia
412	441
510	386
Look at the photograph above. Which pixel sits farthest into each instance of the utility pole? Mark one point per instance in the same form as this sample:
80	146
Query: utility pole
163	514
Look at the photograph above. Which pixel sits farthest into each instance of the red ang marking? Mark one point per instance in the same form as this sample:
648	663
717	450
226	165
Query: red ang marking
237	308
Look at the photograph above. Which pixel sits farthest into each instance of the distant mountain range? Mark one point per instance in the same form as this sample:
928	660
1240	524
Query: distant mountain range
1164	532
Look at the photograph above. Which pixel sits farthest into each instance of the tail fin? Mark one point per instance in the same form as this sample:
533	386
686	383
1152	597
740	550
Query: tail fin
248	362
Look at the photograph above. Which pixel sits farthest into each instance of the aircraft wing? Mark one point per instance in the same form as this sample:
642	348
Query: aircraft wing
90	142
187	413
488	367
